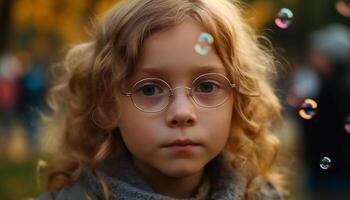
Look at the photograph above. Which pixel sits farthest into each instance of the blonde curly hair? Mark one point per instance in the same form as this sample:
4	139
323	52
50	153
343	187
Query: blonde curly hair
84	99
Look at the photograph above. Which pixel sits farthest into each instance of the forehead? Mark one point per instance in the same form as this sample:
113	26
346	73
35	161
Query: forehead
170	54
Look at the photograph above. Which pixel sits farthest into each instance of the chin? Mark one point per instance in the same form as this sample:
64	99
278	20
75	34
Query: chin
182	170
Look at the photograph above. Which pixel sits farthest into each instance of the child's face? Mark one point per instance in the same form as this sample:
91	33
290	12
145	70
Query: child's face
172	54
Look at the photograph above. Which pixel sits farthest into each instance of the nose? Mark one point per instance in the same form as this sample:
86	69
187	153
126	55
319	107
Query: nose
181	110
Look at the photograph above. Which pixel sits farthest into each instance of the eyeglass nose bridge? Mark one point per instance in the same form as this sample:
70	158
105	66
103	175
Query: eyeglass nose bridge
173	89
172	94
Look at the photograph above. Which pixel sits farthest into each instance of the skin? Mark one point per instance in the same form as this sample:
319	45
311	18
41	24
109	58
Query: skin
171	52
321	63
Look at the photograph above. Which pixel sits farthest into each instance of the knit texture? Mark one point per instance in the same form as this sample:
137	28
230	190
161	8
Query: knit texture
125	182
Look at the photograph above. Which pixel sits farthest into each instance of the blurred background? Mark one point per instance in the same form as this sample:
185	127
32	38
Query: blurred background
312	42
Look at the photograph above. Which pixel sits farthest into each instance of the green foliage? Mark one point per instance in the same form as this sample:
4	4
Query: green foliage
18	180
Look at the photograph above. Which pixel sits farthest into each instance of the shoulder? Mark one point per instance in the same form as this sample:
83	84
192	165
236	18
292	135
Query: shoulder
76	191
269	192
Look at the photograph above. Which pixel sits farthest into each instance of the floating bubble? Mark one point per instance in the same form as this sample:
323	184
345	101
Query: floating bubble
347	124
284	18
325	163
343	7
308	109
202	47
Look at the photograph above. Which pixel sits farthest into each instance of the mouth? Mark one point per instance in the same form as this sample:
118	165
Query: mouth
181	143
182	147
177	149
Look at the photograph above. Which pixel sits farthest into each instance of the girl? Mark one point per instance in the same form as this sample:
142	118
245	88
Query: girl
169	100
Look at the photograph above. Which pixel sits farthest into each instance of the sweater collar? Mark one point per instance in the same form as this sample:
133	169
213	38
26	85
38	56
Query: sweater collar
125	182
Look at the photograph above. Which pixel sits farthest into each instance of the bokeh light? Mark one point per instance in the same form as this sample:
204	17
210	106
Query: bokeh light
343	7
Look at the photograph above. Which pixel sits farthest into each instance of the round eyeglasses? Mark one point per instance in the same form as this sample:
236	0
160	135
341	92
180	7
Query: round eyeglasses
153	94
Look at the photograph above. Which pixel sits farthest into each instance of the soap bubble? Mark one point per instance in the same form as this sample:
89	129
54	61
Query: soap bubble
347	124
343	7
202	47
284	18
308	109
325	163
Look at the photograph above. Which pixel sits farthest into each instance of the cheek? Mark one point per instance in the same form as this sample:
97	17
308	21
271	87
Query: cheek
219	124
136	130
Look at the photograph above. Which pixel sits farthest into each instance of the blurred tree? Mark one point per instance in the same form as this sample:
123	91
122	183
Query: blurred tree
5	22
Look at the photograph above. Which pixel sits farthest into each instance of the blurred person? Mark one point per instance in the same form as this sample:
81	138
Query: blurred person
326	79
10	71
33	85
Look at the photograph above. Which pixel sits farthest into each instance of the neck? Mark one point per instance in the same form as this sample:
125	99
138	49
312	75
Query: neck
186	186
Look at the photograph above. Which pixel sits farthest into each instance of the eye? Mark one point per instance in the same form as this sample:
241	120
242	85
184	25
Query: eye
149	89
207	87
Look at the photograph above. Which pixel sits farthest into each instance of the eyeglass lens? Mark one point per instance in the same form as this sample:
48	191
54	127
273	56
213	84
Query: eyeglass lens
208	90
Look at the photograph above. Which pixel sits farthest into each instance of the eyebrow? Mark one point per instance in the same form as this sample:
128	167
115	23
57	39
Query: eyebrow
196	70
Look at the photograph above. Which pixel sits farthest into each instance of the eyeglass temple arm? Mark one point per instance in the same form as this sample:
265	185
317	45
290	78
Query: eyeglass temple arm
128	94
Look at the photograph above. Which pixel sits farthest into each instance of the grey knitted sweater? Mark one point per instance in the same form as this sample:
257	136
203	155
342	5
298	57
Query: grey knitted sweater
125	183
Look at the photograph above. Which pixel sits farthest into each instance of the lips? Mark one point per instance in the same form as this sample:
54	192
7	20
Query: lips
181	142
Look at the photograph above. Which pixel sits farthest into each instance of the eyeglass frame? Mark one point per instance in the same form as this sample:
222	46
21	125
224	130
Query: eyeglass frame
171	91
